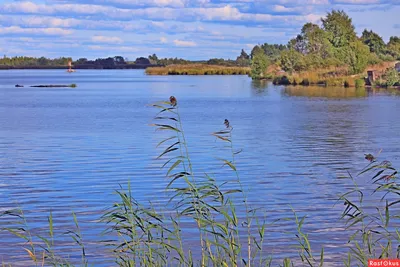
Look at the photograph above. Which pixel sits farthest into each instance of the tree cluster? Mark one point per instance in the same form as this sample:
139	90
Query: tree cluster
334	43
32	61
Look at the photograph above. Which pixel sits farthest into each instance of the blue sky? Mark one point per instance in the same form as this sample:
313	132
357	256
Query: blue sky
192	29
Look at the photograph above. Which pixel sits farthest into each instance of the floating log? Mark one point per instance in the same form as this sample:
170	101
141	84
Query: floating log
18	85
53	85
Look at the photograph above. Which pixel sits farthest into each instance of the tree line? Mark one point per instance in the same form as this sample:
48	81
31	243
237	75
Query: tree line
32	61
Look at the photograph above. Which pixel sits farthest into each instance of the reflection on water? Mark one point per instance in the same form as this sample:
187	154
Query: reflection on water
326	92
384	91
68	150
259	85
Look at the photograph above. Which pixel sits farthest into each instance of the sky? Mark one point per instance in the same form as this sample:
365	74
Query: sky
190	29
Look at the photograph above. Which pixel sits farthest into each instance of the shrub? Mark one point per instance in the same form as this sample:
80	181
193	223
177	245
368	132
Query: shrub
374	59
334	82
386	57
360	83
392	77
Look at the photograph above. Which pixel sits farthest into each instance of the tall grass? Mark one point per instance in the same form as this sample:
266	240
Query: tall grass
41	247
197	69
375	235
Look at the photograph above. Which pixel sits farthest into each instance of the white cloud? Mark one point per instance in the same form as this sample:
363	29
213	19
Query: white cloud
297	9
357	2
113	48
107	39
221	13
161	3
163	40
44	31
40	21
184	43
26	39
303	2
314	18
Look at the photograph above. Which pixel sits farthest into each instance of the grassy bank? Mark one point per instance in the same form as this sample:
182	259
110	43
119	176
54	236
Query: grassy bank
336	76
206	208
197	69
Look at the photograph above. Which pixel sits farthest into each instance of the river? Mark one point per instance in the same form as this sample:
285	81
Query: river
67	149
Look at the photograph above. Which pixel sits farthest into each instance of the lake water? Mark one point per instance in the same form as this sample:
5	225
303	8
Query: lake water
67	150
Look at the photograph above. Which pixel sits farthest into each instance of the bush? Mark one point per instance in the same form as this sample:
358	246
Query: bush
334	82
386	57
360	83
374	59
392	77
291	61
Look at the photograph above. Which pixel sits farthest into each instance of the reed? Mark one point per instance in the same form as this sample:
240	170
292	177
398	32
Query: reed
197	69
374	229
40	247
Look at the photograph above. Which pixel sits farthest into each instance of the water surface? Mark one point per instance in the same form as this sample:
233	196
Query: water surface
67	150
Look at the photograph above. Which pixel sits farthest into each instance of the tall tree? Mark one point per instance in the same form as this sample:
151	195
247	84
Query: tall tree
273	51
357	55
259	63
312	40
243	59
339	27
374	42
393	46
153	59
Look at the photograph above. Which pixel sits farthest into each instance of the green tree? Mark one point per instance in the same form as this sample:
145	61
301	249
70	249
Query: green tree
273	51
243	59
316	40
393	46
42	61
292	60
119	60
153	59
339	27
357	56
259	63
374	42
81	61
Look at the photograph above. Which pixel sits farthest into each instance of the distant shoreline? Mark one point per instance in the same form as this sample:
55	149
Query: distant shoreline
79	67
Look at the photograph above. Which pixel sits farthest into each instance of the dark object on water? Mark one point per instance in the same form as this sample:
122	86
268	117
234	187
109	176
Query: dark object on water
173	101
369	157
18	85
226	122
53	85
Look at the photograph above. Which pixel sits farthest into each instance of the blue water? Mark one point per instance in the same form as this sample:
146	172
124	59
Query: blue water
67	149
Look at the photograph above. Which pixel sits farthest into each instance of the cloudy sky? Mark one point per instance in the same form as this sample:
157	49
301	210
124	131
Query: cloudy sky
192	29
